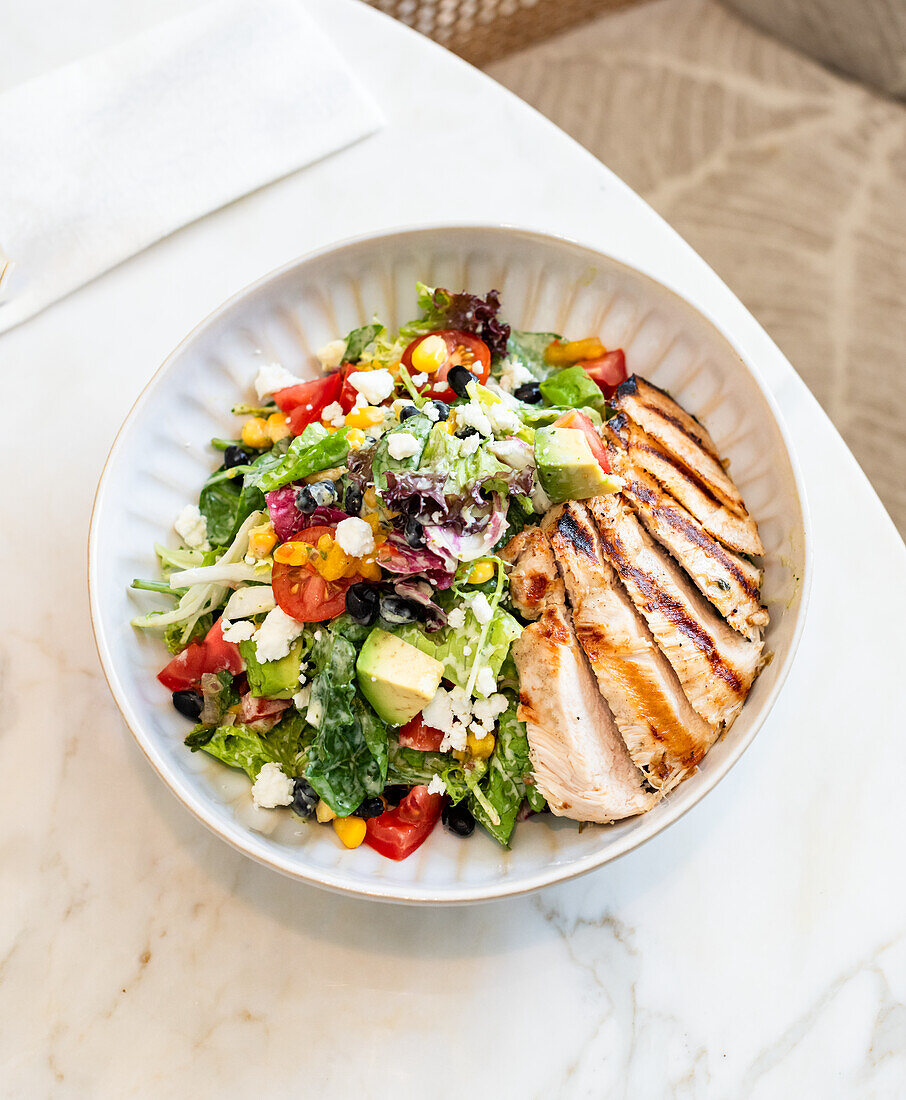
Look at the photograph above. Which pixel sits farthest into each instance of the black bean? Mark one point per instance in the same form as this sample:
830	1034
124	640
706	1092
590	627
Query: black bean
189	704
413	532
371	807
304	797
464	433
352	501
458	819
443	409
305	502
395	793
530	393
397	611
235	456
362	602
324	493
458	378
408	410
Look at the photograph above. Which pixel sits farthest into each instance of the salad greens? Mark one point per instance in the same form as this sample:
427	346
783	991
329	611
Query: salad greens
319	531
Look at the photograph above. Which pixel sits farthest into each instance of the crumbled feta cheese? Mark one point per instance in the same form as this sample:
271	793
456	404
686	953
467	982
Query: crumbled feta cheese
272	788
331	355
359	402
437	785
419	379
456	618
481	609
450	712
513	375
472	415
272	377
503	420
333	414
355	536
431	411
302	697
485	682
192	528
275	637
470	444
402	445
250	559
375	385
236	632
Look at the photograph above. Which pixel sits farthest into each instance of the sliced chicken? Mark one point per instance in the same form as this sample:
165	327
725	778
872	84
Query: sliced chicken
664	734
734	529
580	762
715	665
730	582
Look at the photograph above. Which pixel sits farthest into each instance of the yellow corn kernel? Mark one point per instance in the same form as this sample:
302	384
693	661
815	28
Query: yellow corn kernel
278	426
254	433
324	813
481	572
370	498
565	355
449	426
355	437
480	748
292	553
334	564
369	570
262	540
351	830
365	417
430	355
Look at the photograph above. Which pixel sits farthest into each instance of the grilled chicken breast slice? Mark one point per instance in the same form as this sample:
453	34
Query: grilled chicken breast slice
664	734
730	582
657	414
734	530
580	762
715	665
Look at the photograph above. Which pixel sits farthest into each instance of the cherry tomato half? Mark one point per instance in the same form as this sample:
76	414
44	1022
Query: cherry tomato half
608	371
397	833
214	654
463	350
416	734
302	592
574	419
304	402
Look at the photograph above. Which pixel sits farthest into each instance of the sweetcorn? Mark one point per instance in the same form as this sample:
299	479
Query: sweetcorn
566	355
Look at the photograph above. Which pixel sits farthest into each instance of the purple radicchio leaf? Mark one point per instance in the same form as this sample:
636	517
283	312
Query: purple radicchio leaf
470	313
288	520
421	592
407	561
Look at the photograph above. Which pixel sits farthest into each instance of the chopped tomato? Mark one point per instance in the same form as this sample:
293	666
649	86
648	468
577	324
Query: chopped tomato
252	709
608	371
463	350
398	832
214	654
416	734
304	402
574	419
302	592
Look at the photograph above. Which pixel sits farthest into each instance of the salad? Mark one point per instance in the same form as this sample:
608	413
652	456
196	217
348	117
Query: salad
340	626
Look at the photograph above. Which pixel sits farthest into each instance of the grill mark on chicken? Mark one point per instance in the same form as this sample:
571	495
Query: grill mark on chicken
571	530
630	388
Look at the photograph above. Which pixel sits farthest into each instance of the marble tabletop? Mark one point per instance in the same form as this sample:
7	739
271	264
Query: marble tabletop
756	948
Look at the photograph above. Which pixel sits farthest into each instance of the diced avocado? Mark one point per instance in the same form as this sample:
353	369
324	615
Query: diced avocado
574	388
397	679
272	679
567	468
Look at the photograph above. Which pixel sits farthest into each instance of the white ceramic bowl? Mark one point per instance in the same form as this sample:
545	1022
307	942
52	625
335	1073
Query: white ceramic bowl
161	457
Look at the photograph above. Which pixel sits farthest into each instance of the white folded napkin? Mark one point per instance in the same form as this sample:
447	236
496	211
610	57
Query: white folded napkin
105	156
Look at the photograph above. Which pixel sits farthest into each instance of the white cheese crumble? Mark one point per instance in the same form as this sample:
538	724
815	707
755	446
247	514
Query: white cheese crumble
402	445
272	377
355	536
456	618
333	414
331	355
472	415
487	711
236	632
419	379
485	683
272	788
437	785
375	385
503	420
455	715
431	411
470	444
481	609
192	528
513	375
275	636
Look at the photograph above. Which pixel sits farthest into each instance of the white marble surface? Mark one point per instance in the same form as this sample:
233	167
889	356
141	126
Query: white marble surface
757	948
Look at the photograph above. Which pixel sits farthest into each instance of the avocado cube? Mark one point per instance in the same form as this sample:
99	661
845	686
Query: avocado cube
272	679
567	468
397	679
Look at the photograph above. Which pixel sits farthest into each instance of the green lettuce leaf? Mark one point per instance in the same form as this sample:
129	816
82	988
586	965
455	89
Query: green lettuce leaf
174	638
314	450
359	339
443	455
245	748
413	766
528	349
573	387
504	786
420	427
219	504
